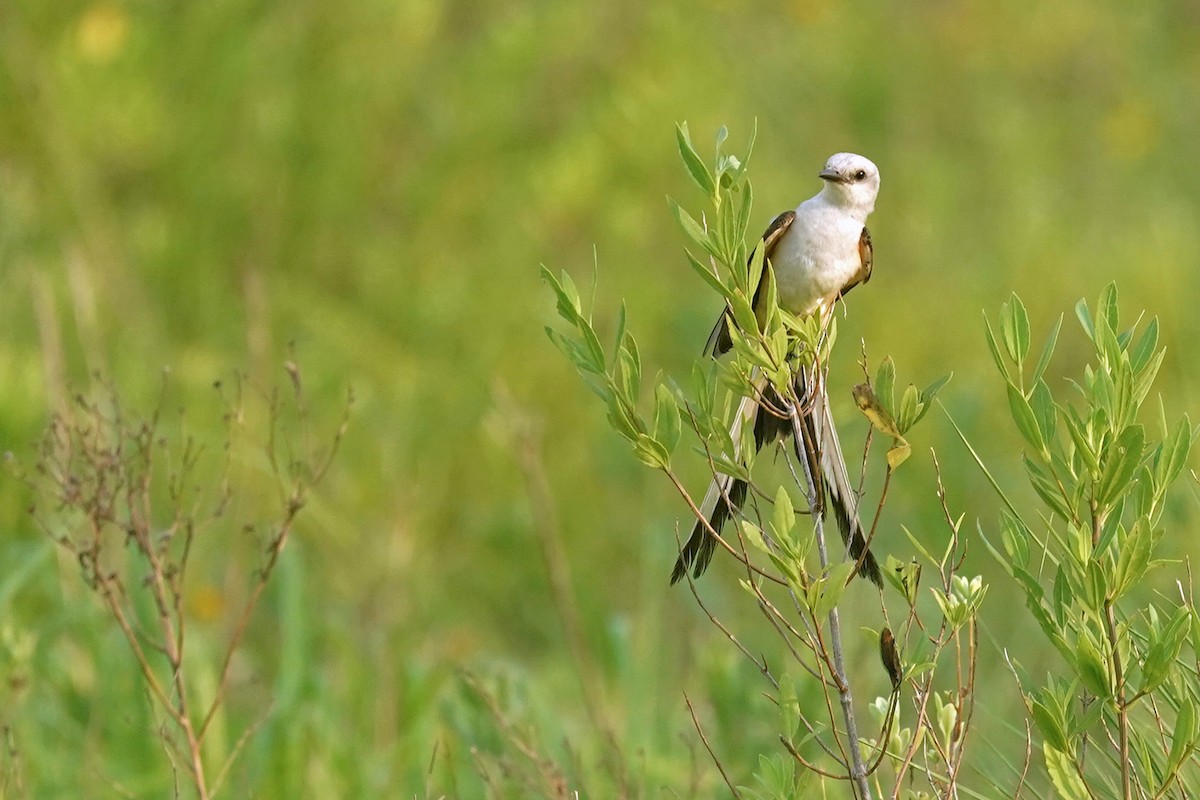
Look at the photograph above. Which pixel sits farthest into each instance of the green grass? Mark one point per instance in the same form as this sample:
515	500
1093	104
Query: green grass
196	185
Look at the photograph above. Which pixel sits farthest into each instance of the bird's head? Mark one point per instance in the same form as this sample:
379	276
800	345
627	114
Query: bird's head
851	181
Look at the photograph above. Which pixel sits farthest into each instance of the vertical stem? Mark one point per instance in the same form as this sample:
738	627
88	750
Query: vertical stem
858	768
1110	617
1110	624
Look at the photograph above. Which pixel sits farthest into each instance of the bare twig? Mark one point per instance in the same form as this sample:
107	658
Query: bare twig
704	739
858	770
111	470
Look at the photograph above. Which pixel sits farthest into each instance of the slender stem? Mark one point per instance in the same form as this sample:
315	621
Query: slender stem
708	747
1110	623
858	768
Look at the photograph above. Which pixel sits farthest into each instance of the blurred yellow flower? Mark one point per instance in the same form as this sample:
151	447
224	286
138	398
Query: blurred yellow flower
1131	130
102	32
207	603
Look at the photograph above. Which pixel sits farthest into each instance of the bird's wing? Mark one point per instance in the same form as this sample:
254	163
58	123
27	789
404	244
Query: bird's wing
719	341
866	254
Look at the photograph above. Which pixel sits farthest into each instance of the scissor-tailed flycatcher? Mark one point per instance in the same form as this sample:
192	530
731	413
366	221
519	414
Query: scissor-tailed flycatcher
816	253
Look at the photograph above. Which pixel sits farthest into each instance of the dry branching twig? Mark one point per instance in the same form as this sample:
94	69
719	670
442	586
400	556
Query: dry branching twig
133	499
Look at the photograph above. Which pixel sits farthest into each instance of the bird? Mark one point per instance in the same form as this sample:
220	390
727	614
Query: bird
815	254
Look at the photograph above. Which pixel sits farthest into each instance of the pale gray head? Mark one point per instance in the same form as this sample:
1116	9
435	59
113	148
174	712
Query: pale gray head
851	181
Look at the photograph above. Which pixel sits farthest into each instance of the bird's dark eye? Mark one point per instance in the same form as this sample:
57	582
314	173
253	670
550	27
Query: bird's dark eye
858	176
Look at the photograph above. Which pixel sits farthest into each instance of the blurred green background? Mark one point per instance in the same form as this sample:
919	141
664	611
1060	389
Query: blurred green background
197	185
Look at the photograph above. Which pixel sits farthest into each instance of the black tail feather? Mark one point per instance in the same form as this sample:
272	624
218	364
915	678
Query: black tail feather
856	542
698	551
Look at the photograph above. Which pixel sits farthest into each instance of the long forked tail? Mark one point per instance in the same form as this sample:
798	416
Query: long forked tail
838	491
725	493
818	446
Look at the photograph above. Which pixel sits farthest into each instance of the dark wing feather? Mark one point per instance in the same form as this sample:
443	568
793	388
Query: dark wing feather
866	252
719	341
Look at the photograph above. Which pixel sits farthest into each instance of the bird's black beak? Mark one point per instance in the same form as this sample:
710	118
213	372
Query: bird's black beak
832	176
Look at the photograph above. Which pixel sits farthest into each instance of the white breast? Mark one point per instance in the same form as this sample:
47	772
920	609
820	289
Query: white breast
817	256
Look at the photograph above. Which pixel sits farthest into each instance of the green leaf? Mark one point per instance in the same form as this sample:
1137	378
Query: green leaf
910	409
743	313
885	385
692	229
1015	540
621	420
827	590
1090	666
595	350
1107	345
1141	353
1034	598
723	235
621	327
784	518
1044	410
1027	423
627	371
650	452
898	453
1101	396
1107	307
710	277
1163	649
1174	454
1075	426
1014	328
930	391
789	705
567	296
704	388
754	535
1047	351
994	349
755	267
905	576
571	295
1113	527
1048	490
726	466
1086	721
695	165
870	406
1183	736
951	611
1121	461
1062	771
1134	559
667	429
918	546
1145	379
745	206
776	775
1061	596
574	351
1085	319
1049	721
722	136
